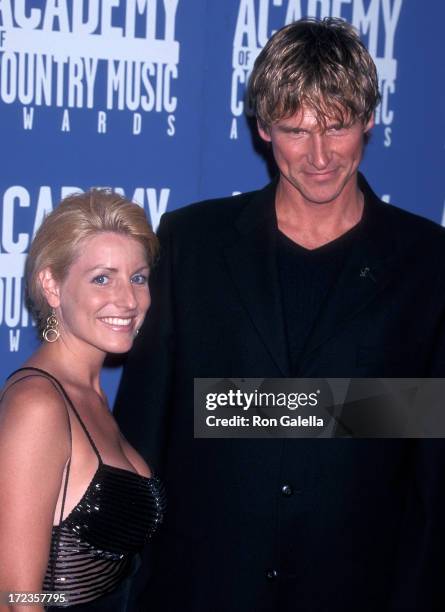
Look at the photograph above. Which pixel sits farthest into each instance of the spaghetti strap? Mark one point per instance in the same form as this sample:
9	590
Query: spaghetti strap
59	386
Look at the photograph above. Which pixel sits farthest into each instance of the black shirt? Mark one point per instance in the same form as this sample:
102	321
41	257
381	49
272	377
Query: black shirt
306	277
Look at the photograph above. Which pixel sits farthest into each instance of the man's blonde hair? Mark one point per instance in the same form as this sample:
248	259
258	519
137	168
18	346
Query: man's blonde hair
322	65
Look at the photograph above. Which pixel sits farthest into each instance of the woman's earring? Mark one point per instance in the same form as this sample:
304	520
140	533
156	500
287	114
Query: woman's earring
51	332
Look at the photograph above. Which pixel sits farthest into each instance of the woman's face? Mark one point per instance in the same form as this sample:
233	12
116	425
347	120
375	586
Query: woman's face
104	297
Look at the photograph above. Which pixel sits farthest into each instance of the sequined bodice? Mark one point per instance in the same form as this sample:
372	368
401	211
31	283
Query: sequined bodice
108	515
92	548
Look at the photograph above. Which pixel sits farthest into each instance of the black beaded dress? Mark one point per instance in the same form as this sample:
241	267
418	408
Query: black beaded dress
94	548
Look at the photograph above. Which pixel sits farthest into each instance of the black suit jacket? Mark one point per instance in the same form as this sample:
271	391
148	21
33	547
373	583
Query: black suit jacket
363	527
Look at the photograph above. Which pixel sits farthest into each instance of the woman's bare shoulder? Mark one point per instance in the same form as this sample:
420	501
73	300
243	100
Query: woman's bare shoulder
33	399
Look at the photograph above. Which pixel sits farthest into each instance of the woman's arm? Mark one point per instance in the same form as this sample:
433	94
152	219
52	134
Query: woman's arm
34	449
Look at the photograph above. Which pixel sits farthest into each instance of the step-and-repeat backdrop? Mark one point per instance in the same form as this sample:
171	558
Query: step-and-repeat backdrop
146	97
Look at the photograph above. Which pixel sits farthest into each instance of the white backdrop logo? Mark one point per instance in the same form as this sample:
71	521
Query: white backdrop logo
376	21
101	54
17	201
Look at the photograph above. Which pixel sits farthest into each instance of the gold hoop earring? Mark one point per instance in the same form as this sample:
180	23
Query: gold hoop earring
51	332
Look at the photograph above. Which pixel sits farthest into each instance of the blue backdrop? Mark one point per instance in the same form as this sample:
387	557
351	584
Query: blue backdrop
146	96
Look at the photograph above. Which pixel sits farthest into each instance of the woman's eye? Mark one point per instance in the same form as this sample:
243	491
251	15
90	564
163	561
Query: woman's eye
101	279
139	279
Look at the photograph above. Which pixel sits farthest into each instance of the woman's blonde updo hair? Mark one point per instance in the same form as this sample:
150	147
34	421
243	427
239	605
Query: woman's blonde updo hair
80	216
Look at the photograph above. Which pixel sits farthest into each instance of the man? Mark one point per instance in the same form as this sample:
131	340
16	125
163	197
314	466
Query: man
312	276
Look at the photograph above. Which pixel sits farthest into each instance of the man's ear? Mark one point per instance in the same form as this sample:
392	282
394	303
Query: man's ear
370	124
263	132
50	287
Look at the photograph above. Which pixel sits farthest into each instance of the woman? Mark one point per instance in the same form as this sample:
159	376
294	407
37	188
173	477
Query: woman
76	500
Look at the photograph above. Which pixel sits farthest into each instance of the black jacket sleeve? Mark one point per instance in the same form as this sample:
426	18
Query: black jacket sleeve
142	401
419	583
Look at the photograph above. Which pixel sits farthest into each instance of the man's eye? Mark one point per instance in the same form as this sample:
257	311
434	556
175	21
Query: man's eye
139	279
101	279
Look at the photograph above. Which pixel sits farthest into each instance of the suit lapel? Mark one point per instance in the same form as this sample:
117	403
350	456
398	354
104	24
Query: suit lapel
251	259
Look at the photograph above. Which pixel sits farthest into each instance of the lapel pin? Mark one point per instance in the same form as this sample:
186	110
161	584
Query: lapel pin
365	272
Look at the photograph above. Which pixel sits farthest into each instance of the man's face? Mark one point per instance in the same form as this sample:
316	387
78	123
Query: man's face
316	164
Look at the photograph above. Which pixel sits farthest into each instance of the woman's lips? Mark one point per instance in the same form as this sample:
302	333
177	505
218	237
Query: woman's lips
120	324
